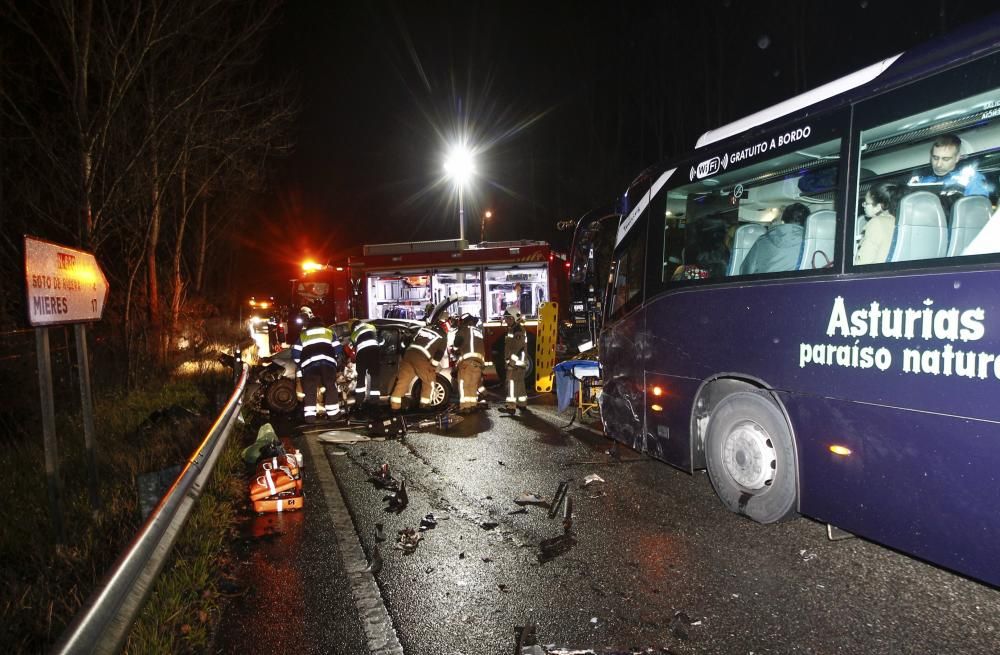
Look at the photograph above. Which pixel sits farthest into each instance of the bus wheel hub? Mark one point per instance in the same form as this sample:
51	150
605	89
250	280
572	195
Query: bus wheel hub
749	456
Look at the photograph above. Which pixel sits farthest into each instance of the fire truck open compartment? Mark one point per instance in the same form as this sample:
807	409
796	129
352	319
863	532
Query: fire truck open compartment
406	294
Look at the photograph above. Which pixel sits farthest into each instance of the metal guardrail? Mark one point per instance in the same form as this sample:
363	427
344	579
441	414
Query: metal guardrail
105	621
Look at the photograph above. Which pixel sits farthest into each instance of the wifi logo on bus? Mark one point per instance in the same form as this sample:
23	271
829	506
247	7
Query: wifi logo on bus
709	167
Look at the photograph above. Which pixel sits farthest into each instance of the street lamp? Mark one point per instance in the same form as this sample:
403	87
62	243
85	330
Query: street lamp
460	167
482	225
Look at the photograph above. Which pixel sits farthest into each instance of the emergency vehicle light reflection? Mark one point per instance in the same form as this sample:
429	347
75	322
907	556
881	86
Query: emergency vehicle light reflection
840	450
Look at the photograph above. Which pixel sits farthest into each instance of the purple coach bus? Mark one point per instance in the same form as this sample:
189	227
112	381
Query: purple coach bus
807	305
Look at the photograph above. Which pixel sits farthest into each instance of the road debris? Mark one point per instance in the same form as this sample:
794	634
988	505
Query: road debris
806	556
593	477
428	523
408	540
557	498
531	499
398	500
379	532
519	510
681	623
488	525
382	479
343	437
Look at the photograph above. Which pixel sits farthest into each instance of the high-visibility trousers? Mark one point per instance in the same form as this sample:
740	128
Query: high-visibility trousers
314	376
517	395
470	377
366	363
413	365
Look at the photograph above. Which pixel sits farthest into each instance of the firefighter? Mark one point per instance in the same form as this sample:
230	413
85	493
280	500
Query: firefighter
471	349
364	343
422	359
316	353
515	360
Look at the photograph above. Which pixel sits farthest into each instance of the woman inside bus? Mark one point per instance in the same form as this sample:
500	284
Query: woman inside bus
880	209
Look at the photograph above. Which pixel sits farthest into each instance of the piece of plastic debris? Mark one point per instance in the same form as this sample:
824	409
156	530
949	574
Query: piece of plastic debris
557	498
398	500
379	534
344	437
593	477
568	514
593	620
502	587
519	510
461	555
487	559
428	523
680	623
531	499
488	525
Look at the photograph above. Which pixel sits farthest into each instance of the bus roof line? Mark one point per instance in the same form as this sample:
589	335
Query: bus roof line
814	96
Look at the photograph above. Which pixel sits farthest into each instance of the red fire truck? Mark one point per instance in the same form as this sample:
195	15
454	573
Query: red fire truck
400	280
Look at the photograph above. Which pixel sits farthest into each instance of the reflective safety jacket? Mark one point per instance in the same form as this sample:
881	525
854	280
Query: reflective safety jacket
430	341
470	343
316	345
514	346
363	335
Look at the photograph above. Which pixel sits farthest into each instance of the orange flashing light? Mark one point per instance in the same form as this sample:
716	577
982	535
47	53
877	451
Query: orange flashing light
657	391
843	451
656	408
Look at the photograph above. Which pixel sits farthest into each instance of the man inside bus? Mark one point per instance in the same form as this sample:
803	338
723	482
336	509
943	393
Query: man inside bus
778	249
946	177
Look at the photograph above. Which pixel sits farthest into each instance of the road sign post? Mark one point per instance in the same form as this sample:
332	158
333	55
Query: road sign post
64	286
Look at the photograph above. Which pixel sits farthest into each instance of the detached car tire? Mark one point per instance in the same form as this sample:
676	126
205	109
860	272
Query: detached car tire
751	458
280	396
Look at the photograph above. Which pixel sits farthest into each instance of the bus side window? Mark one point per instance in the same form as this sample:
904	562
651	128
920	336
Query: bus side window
771	216
928	184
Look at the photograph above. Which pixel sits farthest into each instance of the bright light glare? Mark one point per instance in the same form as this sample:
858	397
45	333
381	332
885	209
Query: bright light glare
459	165
310	265
489	214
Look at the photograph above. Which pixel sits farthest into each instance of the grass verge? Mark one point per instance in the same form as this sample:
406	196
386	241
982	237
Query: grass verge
44	584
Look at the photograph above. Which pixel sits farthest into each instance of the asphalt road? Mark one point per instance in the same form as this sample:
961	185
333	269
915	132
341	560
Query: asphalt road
652	561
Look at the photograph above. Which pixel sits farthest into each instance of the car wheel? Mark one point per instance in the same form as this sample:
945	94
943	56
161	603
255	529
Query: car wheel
440	393
751	458
280	396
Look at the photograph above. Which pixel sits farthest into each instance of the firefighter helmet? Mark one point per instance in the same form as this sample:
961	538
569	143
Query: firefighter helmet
307	312
512	312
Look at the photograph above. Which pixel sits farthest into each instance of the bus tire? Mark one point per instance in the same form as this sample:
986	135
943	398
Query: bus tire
751	458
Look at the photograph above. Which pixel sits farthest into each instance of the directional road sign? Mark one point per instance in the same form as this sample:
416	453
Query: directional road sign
65	285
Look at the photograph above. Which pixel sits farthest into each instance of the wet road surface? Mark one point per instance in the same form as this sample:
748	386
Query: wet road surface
653	560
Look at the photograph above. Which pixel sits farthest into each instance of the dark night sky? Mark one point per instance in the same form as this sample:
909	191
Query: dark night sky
568	100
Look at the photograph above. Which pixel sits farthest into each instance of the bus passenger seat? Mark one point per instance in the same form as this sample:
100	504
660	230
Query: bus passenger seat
743	240
968	216
920	231
818	242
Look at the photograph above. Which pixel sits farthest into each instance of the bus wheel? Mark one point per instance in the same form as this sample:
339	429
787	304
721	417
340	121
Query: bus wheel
751	458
